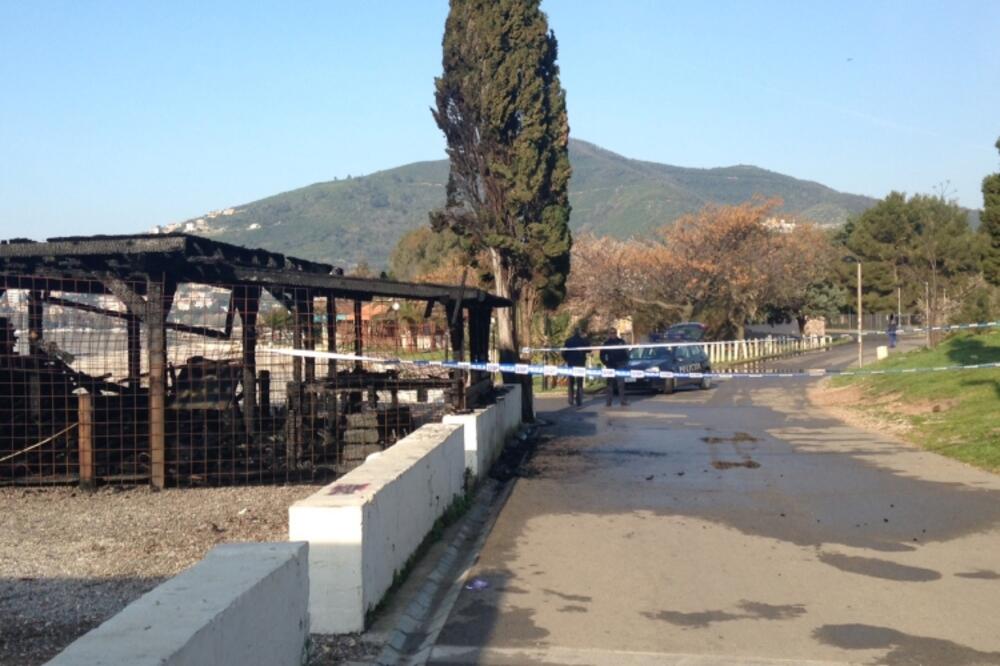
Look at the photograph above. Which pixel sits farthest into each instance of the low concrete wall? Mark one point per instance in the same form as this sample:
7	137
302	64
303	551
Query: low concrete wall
364	527
486	430
244	604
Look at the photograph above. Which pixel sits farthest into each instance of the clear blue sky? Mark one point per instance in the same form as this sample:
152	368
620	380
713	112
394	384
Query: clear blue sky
116	116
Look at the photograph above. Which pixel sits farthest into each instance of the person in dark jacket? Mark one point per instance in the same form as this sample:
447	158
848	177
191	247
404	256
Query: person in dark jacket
615	358
575	358
892	330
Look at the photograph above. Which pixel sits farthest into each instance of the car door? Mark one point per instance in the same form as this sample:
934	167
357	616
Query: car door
684	364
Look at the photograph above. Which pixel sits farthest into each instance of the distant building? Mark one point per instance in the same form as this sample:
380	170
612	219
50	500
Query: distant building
780	225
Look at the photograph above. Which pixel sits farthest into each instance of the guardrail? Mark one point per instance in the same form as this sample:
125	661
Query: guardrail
739	351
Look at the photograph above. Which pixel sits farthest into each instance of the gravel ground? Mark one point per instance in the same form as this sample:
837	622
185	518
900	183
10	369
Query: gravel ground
327	650
70	560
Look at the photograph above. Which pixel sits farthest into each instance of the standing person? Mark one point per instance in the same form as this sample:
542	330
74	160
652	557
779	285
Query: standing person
615	358
892	330
575	358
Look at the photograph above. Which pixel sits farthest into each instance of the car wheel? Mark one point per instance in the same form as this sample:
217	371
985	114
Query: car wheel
706	383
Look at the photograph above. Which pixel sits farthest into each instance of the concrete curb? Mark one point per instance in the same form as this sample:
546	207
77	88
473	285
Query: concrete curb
419	624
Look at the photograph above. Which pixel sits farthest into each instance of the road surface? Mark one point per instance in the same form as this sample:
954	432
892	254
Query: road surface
738	525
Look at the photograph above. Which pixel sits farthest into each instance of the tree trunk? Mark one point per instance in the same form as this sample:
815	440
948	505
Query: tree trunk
507	338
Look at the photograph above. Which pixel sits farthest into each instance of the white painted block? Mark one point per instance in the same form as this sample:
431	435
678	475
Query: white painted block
243	605
881	352
362	528
487	429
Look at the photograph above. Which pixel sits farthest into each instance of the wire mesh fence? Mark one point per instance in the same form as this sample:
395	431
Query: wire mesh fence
122	382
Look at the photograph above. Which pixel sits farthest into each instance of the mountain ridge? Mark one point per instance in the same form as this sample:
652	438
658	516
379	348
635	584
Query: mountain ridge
357	219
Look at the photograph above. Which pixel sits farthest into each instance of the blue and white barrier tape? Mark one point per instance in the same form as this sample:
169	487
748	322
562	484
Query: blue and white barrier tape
607	373
933	329
710	343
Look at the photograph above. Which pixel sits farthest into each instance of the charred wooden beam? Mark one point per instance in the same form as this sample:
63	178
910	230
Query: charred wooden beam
133	326
132	300
358	342
114	314
456	329
246	300
305	310
331	334
365	289
36	333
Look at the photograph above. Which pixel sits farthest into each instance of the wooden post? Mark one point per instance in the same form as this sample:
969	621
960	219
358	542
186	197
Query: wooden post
331	334
133	325
247	301
158	298
264	386
35	335
308	333
358	342
85	438
296	340
456	326
479	328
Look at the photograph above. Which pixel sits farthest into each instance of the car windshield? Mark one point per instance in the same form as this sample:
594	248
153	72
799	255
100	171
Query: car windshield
650	354
692	332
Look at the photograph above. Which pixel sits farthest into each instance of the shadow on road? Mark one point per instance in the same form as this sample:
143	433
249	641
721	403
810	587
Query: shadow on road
972	351
904	649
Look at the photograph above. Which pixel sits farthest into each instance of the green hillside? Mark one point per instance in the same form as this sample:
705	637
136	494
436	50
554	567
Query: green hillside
360	219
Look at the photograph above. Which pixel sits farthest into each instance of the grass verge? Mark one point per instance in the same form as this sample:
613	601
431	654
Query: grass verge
954	413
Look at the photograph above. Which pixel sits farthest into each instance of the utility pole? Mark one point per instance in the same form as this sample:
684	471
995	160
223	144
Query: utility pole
927	307
860	337
899	306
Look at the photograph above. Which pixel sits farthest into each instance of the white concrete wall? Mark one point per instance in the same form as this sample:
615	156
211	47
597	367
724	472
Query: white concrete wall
486	430
244	605
509	416
362	528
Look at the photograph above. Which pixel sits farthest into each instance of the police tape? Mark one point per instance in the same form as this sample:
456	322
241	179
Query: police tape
610	373
777	338
919	330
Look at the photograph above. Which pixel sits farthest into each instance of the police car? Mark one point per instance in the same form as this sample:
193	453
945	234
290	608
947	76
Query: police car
683	359
687	331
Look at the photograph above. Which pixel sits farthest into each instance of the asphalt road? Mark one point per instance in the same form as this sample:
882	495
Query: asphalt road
738	525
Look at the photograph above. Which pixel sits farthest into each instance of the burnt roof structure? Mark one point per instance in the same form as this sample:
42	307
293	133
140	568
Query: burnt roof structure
187	258
143	273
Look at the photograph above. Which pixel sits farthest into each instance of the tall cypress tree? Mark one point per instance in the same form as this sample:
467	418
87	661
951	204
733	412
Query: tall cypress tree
503	113
990	226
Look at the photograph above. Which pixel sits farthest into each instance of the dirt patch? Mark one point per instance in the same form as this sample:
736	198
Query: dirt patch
851	405
920	408
729	464
71	559
829	396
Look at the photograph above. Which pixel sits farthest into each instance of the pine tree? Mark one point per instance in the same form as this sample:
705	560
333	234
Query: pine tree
989	223
503	113
922	244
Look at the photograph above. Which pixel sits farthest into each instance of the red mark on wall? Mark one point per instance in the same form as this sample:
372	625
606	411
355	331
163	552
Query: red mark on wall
348	488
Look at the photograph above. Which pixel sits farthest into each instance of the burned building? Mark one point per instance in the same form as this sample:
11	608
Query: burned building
143	359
